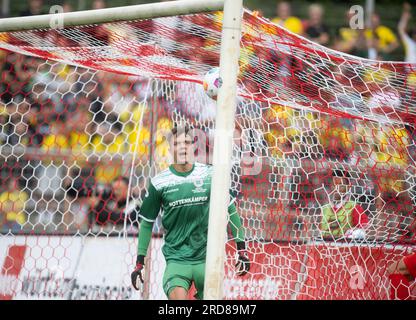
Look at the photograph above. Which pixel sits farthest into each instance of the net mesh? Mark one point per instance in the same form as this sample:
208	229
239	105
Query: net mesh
81	106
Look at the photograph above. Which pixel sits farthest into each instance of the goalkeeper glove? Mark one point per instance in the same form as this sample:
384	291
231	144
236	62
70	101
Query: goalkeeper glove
137	275
243	262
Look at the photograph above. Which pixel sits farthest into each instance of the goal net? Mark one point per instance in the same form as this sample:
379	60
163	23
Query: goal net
81	106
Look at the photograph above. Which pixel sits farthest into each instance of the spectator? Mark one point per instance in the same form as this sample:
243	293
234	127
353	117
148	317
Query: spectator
139	144
342	216
364	154
4	118
283	137
18	135
79	135
285	63
109	139
57	139
45	213
391	145
101	204
336	139
108	208
67	7
161	154
54	83
129	205
16	129
98	4
35	8
12	204
381	38
408	37
258	13
122	97
285	19
16	76
108	143
315	29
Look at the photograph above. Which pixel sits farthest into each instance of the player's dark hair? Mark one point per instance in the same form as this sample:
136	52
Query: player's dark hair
178	130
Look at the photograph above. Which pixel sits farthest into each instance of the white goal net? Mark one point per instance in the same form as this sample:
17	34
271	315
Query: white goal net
82	106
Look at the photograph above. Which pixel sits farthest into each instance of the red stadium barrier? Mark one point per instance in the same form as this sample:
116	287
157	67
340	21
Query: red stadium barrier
318	271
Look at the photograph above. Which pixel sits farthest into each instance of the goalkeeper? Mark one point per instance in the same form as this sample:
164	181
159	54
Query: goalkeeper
182	191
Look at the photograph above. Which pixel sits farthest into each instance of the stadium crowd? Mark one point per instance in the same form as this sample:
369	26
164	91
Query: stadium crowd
69	136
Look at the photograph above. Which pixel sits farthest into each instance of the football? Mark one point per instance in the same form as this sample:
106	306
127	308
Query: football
212	82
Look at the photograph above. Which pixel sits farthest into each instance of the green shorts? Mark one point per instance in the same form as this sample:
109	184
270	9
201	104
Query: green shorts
182	275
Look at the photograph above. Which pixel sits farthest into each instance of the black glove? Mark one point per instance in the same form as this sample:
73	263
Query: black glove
137	275
243	262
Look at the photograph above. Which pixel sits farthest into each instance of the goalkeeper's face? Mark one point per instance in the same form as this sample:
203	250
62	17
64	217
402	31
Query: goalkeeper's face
182	148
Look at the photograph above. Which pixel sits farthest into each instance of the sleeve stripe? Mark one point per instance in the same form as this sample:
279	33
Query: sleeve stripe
146	219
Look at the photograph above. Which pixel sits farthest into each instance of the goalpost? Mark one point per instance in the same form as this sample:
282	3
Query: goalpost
143	11
230	45
224	128
83	104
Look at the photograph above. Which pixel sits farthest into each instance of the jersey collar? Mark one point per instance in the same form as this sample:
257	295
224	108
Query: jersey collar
181	174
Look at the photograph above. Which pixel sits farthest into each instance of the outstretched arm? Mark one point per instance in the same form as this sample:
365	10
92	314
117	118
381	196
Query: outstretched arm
148	213
404	20
237	230
145	235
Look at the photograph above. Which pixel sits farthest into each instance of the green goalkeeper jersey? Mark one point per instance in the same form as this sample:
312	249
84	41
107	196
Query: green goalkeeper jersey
184	200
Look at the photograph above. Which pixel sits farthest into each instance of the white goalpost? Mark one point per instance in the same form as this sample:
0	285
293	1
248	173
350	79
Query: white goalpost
225	118
223	141
87	97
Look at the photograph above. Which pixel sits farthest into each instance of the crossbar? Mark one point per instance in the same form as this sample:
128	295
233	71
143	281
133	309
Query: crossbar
135	12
